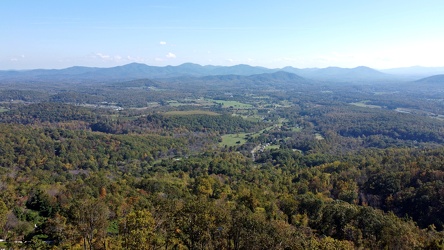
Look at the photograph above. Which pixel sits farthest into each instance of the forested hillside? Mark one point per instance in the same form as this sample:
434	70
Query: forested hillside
176	164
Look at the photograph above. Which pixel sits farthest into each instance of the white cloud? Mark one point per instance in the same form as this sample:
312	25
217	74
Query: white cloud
17	58
102	56
170	55
111	58
162	43
135	59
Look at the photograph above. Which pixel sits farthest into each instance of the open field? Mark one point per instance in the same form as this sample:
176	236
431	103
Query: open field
176	103
191	112
233	139
272	147
193	102
319	136
296	129
233	104
364	104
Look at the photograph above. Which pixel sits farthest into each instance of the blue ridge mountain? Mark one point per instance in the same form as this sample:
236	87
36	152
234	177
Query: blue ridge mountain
135	71
415	72
438	79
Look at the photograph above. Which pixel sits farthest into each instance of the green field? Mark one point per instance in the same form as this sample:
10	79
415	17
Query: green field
193	102
3	109
233	104
253	118
175	103
364	104
191	112
233	139
296	129
273	147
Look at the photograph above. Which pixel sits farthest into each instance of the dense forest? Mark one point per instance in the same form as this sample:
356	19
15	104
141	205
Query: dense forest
196	164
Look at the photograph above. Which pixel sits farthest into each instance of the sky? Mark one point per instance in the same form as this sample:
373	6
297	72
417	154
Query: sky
381	34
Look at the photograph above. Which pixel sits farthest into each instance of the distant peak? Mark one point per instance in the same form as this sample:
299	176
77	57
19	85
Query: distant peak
189	64
432	79
135	64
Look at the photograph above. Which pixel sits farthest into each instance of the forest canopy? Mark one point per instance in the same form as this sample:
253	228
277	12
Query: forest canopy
189	163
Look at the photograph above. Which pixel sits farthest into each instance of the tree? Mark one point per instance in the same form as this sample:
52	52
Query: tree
137	229
56	229
91	219
195	223
3	217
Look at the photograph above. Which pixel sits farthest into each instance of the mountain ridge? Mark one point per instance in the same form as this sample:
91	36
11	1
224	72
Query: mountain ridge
134	71
432	79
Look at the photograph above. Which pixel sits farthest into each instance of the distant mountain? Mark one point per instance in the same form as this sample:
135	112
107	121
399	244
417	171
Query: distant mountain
415	71
432	79
135	71
279	78
136	83
358	74
305	72
241	69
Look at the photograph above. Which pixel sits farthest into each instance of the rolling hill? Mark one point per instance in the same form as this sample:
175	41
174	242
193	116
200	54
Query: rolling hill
135	71
432	79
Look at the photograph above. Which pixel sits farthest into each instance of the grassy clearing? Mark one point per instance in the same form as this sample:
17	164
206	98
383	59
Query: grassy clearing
175	103
156	89
364	104
191	112
205	102
233	139
192	102
253	118
286	103
272	147
2	109
233	104
296	129
386	93
319	136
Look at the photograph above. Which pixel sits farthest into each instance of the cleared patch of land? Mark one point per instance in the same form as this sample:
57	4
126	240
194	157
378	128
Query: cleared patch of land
296	129
191	112
272	147
364	104
319	136
175	103
233	104
233	139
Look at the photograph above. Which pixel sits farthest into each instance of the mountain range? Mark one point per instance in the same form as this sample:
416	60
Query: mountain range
415	71
140	71
432	79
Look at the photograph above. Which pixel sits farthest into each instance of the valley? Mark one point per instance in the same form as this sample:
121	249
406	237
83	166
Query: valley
200	160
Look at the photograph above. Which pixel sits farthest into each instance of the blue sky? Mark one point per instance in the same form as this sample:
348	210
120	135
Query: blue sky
320	33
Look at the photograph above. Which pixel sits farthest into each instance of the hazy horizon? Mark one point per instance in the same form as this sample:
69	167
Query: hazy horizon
203	65
301	34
